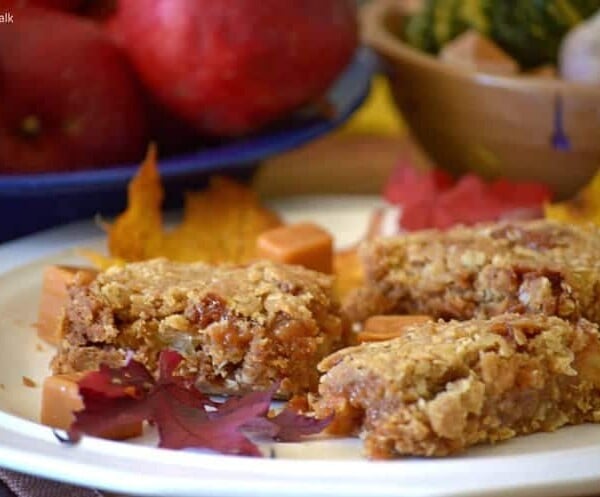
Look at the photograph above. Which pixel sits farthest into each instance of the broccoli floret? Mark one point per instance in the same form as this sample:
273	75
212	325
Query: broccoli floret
529	30
532	30
419	28
440	21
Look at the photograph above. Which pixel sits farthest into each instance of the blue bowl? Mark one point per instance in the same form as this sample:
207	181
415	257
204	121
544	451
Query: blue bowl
43	200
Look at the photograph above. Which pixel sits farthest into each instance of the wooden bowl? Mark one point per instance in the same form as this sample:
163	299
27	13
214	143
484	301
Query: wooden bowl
525	128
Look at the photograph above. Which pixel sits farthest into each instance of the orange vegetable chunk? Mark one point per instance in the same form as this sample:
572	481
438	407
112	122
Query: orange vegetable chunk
60	399
304	244
381	328
547	72
55	284
474	52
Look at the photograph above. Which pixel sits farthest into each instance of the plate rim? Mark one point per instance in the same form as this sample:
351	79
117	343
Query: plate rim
29	447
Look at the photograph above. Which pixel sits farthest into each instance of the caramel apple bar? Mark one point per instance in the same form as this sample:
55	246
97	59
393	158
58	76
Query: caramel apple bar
469	272
238	328
444	386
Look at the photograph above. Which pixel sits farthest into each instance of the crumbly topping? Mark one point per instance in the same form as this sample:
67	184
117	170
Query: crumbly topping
239	327
159	288
465	272
442	387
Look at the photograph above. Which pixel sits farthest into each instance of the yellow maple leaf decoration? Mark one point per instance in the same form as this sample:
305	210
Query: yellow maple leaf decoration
582	208
99	261
219	225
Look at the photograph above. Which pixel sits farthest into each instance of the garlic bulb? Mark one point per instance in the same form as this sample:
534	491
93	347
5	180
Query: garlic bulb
579	57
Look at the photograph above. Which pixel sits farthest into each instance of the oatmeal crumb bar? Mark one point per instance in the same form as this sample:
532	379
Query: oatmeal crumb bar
238	328
523	267
443	387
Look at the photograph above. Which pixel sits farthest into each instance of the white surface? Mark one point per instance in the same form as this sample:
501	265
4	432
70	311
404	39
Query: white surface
565	463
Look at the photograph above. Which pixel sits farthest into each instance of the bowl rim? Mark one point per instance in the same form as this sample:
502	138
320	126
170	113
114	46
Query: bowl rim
375	34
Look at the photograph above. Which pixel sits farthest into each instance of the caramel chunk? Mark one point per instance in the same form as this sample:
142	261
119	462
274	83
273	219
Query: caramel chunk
381	328
60	399
304	244
55	284
475	52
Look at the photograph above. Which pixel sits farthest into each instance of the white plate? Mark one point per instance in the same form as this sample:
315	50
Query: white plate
565	463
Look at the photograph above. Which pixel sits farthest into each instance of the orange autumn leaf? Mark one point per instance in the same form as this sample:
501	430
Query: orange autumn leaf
219	225
137	232
582	208
347	265
99	261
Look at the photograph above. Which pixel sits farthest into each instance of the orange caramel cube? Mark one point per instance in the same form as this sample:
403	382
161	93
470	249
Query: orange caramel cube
55	284
381	328
60	399
304	244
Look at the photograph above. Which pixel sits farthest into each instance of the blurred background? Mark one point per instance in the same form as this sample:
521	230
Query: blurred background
322	96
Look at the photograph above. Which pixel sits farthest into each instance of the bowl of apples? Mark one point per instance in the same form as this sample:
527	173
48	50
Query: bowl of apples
218	86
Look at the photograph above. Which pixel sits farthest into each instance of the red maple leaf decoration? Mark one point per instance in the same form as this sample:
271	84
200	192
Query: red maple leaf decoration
292	425
184	416
433	199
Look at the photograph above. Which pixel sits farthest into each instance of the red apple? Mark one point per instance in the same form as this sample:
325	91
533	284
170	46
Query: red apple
65	5
231	66
70	100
